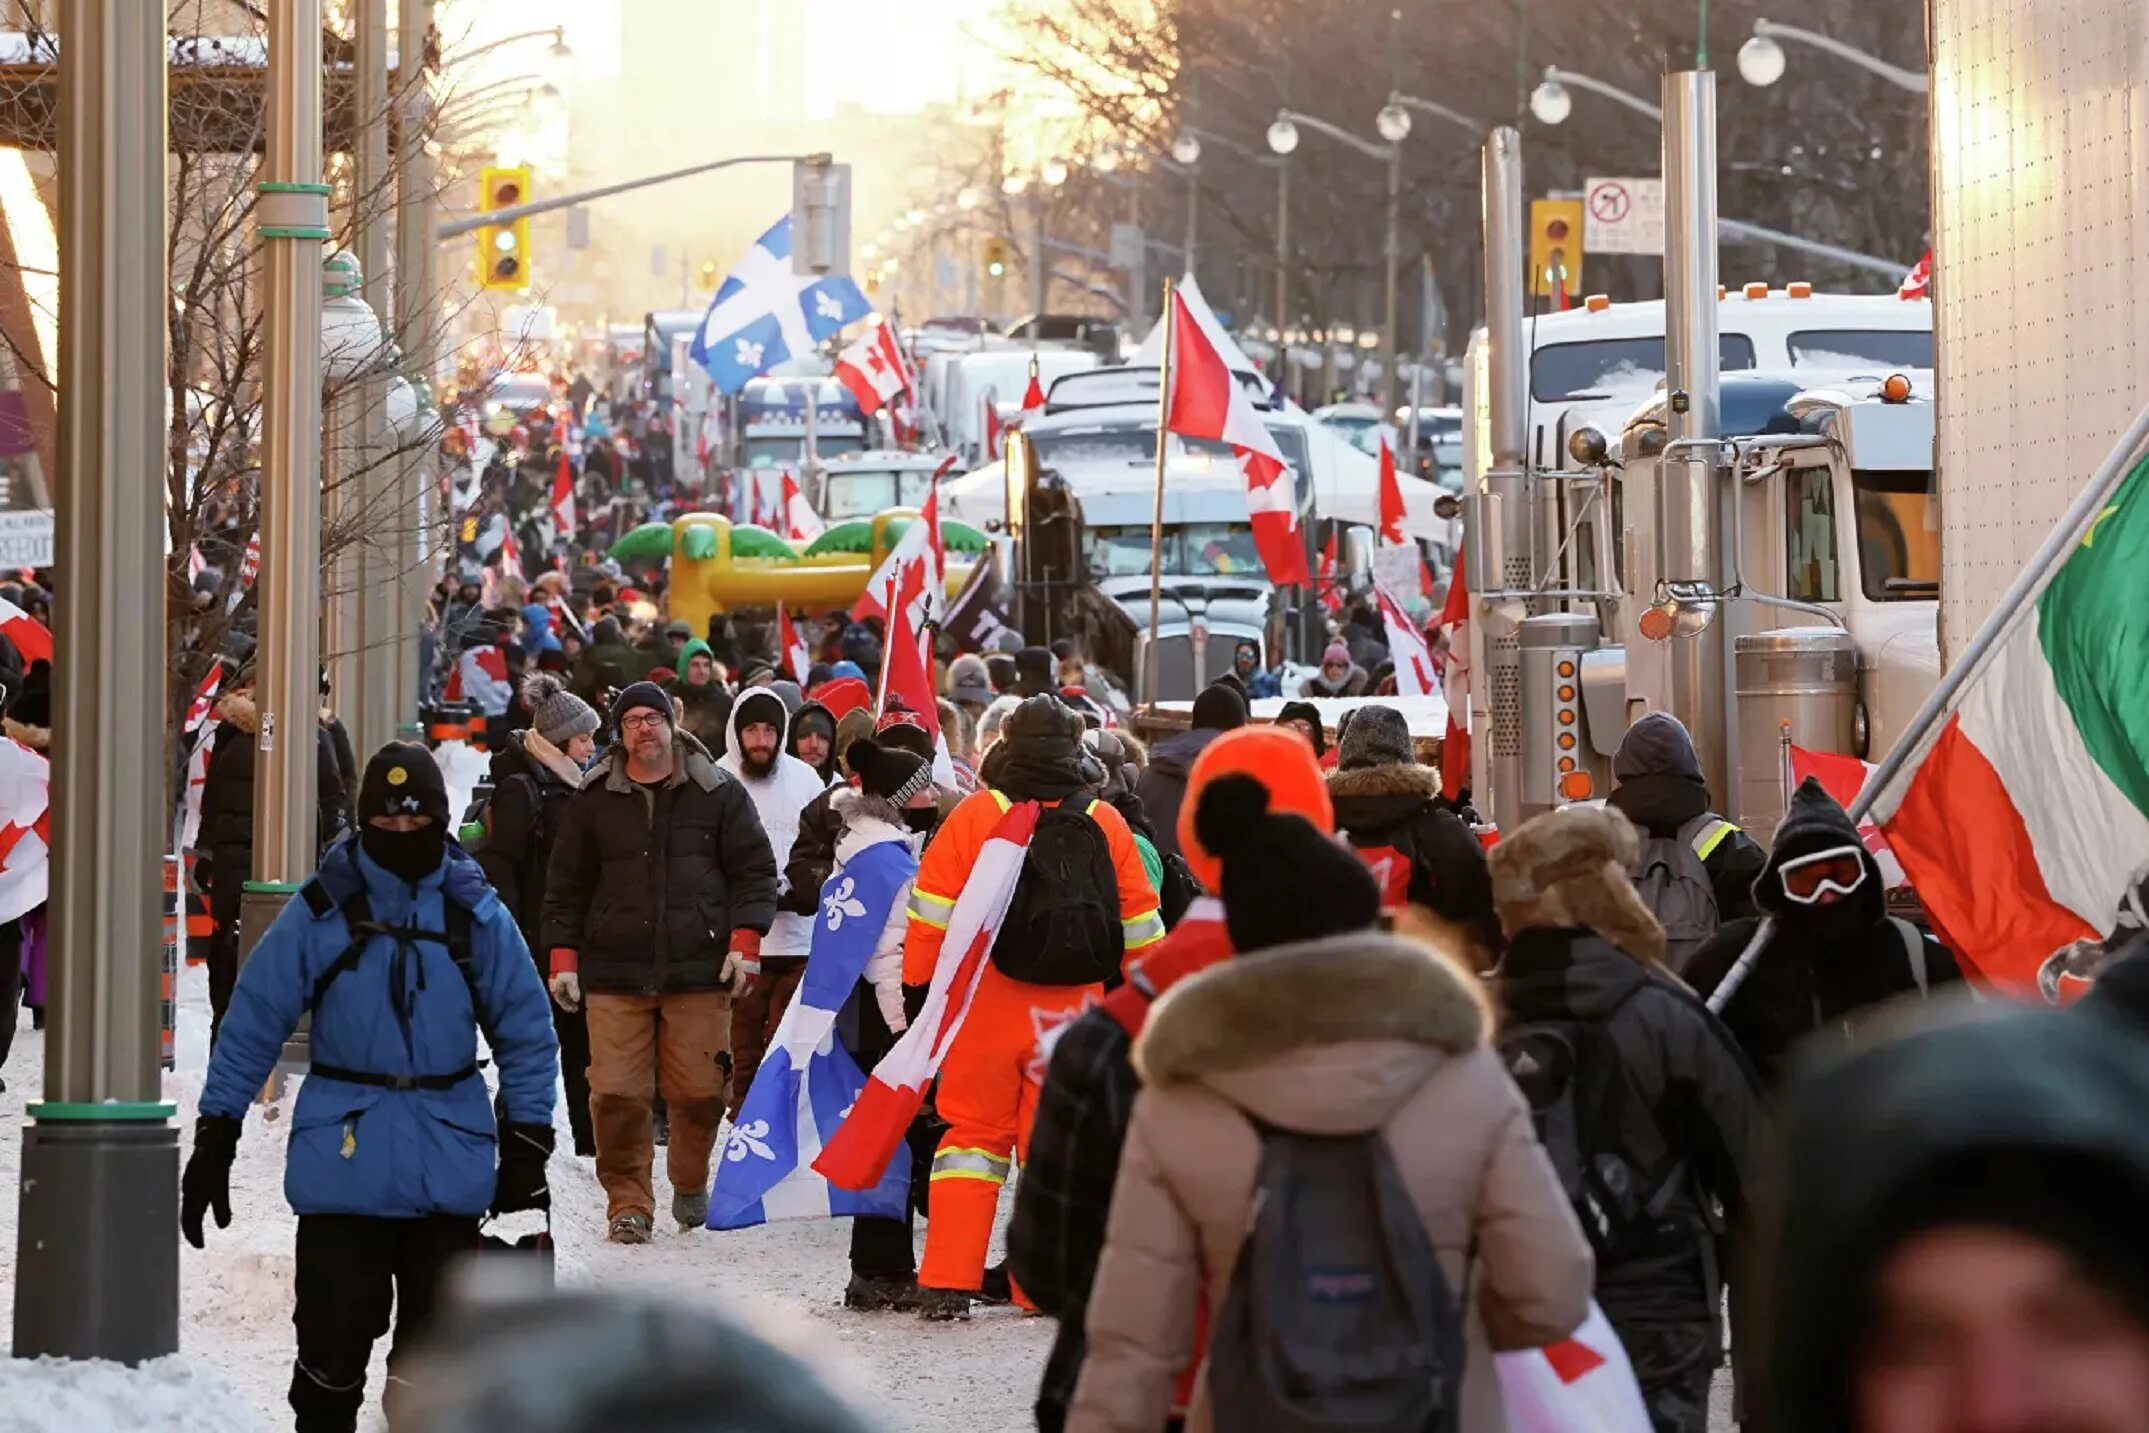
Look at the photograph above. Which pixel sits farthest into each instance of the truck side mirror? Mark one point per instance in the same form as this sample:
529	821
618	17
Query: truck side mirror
1447	507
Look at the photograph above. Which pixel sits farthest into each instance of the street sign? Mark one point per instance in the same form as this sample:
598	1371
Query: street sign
26	539
820	217
1127	246
660	261
1624	216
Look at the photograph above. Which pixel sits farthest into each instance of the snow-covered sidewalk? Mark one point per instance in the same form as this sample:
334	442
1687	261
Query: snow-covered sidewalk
235	1297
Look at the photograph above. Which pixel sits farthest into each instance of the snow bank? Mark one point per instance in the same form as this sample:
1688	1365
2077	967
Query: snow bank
167	1395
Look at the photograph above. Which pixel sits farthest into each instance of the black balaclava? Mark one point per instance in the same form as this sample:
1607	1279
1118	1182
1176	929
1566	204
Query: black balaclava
401	780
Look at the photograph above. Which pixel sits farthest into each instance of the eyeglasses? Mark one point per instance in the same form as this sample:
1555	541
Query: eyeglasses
1807	878
643	720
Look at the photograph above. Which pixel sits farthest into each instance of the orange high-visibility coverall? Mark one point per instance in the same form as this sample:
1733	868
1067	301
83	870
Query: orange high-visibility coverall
984	1094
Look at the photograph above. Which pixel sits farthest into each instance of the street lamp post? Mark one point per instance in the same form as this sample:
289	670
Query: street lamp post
370	700
1551	103
1283	138
97	1250
416	332
1762	62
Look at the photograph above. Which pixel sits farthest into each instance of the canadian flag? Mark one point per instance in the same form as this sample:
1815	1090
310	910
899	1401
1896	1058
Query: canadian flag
563	499
1415	672
1331	594
1455	684
1582	1384
1397	560
873	369
1204	400
1844	776
32	638
800	521
1391	497
205	696
791	647
510	555
1918	283
992	425
25	829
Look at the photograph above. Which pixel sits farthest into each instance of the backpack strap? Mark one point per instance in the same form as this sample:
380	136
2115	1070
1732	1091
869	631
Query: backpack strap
1914	950
357	920
1705	833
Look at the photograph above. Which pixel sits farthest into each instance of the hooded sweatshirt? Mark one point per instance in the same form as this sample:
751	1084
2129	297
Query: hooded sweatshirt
1824	963
779	797
1661	789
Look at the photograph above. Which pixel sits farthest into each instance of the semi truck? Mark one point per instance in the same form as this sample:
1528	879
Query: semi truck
1755	550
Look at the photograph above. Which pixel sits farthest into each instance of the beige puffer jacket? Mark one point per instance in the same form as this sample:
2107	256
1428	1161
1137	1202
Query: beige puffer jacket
1336	1036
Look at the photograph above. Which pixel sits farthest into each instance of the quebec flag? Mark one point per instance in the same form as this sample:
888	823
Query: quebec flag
808	1082
764	313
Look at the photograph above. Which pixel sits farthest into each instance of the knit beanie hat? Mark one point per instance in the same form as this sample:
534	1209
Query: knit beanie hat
1271	861
1219	708
1279	761
1569	868
1377	736
1335	653
892	774
637	695
1310	714
558	714
968	682
402	780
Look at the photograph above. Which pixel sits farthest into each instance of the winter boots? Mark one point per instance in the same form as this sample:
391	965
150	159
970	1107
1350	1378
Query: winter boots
691	1210
869	1294
629	1229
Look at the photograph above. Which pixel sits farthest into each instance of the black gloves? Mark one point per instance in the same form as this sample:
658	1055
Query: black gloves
521	1182
207	1182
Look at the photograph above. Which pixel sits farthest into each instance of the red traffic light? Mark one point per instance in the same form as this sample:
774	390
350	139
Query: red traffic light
505	193
1556	229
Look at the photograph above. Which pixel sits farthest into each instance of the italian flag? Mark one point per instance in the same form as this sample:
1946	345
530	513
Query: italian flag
2023	821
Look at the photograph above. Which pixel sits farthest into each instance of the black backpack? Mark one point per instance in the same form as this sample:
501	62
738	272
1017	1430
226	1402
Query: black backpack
1339	1314
1569	1071
1063	927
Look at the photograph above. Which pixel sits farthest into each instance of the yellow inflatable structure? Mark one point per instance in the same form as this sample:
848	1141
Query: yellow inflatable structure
719	566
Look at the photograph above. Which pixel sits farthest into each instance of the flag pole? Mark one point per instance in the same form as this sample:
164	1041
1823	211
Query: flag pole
2020	597
1156	519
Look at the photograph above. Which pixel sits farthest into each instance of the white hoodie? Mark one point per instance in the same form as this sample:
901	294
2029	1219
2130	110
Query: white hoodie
779	797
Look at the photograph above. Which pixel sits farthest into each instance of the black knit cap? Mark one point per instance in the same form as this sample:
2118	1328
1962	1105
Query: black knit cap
402	780
639	694
1284	881
887	772
1219	707
1310	714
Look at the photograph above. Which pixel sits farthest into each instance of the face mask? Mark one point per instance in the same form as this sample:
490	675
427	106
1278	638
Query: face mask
412	855
921	819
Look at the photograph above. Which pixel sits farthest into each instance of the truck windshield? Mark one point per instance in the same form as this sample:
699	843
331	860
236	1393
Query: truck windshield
1883	348
862	494
774	452
1898	535
1137	447
1192	550
1564	372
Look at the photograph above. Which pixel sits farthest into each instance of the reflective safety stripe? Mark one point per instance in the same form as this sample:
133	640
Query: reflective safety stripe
970	1164
1000	797
1711	836
930	909
1143	930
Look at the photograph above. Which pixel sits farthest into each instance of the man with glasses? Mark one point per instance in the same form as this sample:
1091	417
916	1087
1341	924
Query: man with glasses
1834	951
662	884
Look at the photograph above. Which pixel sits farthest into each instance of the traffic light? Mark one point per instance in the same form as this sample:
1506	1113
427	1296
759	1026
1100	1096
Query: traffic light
708	275
1555	247
504	249
995	257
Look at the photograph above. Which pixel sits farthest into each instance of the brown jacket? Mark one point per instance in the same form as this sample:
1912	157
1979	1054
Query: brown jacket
1336	1036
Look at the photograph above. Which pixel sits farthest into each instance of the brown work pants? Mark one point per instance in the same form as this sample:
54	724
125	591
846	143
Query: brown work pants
755	1016
639	1044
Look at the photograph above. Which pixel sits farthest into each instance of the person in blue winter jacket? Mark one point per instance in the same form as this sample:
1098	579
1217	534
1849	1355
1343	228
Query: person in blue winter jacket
401	953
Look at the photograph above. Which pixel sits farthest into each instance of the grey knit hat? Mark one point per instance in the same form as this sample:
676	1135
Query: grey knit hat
1376	736
558	714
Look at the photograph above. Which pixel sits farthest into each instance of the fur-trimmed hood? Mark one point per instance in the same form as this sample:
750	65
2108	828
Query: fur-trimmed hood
1398	780
37	738
239	710
1330	1036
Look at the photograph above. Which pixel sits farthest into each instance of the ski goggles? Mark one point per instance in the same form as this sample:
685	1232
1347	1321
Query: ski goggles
1806	879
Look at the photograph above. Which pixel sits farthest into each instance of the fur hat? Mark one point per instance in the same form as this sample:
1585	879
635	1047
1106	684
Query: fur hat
852	725
1377	736
1278	760
968	682
1284	880
558	714
1569	868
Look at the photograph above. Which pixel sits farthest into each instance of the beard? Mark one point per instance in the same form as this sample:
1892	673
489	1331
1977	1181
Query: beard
757	766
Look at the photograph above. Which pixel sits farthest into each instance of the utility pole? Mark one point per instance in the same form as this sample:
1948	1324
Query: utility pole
97	1254
1040	261
385	505
292	219
417	320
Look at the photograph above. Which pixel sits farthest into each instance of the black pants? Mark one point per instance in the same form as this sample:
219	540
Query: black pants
10	986
883	1248
572	1028
352	1271
232	863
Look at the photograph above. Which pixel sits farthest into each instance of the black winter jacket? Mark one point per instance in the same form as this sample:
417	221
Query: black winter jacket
227	793
707	712
1162	785
1400	805
813	854
532	782
1823	963
1683	1093
646	884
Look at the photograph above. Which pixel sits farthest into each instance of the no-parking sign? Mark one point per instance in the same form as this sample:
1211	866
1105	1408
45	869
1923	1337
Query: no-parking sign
1624	216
